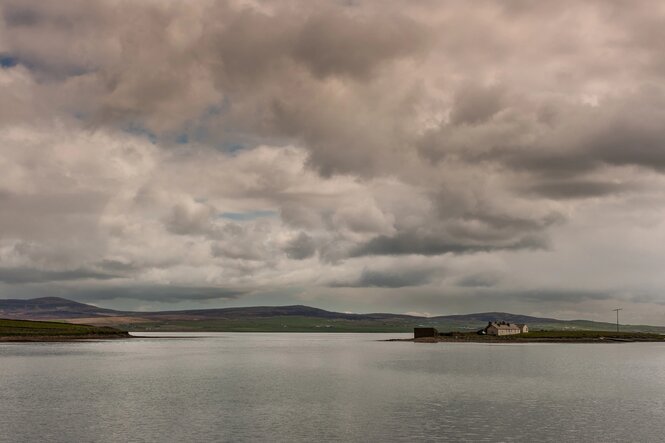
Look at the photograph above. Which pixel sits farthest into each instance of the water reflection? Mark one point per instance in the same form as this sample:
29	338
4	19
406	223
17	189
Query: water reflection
329	387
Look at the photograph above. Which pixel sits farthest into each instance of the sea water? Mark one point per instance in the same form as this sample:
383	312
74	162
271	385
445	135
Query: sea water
244	387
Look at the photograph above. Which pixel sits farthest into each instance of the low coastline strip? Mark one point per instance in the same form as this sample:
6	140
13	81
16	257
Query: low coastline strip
36	331
541	337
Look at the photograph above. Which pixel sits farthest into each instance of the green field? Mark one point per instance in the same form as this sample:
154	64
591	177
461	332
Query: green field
25	328
292	318
592	334
548	336
269	324
295	323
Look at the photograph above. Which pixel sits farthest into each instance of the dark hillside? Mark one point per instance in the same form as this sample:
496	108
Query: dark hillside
294	318
50	308
21	330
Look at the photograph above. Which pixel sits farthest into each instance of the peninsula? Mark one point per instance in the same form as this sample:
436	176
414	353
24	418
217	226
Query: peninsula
26	330
538	337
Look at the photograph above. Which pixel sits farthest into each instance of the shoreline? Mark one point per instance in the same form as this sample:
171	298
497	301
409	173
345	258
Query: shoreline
527	340
61	338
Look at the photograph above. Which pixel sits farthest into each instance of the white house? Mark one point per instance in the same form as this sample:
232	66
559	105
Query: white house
503	328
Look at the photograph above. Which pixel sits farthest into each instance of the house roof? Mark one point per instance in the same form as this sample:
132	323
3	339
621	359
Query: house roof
503	325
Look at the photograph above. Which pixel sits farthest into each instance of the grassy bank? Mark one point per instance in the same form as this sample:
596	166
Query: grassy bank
547	336
296	323
572	335
268	324
26	330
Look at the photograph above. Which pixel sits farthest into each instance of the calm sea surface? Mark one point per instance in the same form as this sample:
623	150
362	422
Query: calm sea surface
329	387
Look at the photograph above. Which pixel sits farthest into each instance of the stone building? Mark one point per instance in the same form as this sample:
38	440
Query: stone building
504	328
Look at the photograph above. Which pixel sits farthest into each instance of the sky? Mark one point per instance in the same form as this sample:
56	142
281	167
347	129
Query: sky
430	157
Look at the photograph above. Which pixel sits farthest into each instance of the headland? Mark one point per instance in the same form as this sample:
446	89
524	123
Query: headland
48	331
540	337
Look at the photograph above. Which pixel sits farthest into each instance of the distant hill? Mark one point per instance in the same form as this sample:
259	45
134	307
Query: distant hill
296	318
49	308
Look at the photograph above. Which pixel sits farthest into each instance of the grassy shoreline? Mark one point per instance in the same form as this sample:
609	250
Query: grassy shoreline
31	331
542	337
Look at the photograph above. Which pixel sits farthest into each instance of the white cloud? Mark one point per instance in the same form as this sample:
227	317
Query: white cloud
362	156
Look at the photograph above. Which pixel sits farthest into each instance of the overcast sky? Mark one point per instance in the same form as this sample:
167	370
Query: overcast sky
434	157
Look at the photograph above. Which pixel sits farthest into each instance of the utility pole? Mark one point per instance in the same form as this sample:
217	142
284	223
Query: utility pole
617	311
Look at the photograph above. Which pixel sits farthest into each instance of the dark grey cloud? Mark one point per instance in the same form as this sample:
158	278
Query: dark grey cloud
156	293
572	189
15	15
563	296
629	133
30	275
554	140
479	281
30	23
339	44
301	247
475	103
190	219
115	266
410	243
388	279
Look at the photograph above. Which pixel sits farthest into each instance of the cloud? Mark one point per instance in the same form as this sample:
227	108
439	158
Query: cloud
562	296
277	147
156	293
475	103
479	281
561	190
251	215
301	247
27	275
389	279
425	245
324	42
190	217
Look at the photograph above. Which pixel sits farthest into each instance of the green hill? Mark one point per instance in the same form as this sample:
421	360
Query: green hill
295	318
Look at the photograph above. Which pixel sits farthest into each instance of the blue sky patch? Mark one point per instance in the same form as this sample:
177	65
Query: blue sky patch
182	139
7	61
137	129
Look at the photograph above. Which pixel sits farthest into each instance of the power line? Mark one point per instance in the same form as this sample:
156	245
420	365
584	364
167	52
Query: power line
617	311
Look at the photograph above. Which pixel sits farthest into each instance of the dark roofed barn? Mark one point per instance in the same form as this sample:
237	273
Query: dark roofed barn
425	332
